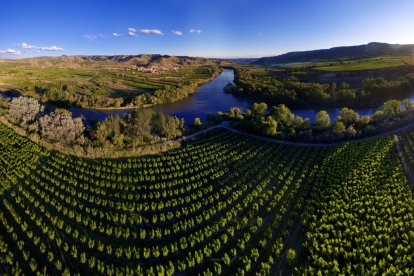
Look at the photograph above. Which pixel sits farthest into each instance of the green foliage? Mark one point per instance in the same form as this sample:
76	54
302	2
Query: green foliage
348	116
361	213
109	132
140	127
197	122
263	84
392	107
338	128
291	256
322	119
224	204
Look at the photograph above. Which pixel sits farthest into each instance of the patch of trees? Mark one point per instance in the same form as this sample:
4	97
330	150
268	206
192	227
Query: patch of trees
25	111
59	126
85	101
168	94
140	127
278	121
293	92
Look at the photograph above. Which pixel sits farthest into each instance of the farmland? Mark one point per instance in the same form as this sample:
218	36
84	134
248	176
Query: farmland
354	64
351	83
103	81
222	204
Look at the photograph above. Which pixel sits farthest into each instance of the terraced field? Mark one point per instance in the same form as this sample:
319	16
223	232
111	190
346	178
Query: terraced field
223	204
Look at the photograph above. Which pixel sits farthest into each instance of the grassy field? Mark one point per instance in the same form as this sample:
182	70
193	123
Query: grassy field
224	204
100	82
354	65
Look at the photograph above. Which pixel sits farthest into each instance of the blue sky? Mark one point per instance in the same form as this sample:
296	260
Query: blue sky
212	28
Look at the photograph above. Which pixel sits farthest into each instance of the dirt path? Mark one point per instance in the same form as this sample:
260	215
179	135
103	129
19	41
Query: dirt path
184	138
407	169
226	126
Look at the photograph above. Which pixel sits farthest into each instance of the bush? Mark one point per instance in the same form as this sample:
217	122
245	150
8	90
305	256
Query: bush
291	256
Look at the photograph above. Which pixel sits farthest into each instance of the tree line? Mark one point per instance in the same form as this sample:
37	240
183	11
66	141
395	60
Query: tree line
279	122
293	92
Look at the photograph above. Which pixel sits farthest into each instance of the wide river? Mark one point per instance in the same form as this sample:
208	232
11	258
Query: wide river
209	98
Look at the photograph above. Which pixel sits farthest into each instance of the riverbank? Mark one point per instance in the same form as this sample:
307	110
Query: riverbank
95	152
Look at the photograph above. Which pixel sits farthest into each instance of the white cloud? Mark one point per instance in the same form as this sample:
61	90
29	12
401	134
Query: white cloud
27	46
117	34
51	48
42	48
149	32
11	52
177	32
132	32
195	31
90	37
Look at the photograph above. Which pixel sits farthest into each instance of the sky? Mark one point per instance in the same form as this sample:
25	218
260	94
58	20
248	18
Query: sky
208	28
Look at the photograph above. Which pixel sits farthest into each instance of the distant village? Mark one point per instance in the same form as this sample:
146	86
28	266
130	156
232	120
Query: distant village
155	69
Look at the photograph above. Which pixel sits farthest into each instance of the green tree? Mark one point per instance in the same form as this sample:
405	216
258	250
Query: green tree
197	122
338	128
392	107
166	126
348	116
139	125
258	110
365	120
270	126
322	119
291	256
283	115
234	112
109	131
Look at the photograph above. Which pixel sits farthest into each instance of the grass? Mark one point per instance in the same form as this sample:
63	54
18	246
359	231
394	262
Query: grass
355	64
96	81
365	64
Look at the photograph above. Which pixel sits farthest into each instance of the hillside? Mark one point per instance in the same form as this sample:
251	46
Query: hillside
373	49
103	61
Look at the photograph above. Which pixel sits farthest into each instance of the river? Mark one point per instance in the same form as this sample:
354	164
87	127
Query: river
209	98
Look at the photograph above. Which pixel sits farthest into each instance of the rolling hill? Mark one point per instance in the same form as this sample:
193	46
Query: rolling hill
103	61
373	49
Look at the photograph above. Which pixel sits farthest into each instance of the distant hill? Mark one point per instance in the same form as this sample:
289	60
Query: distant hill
373	49
118	61
243	60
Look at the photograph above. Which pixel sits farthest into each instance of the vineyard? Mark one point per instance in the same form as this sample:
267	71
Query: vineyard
222	204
